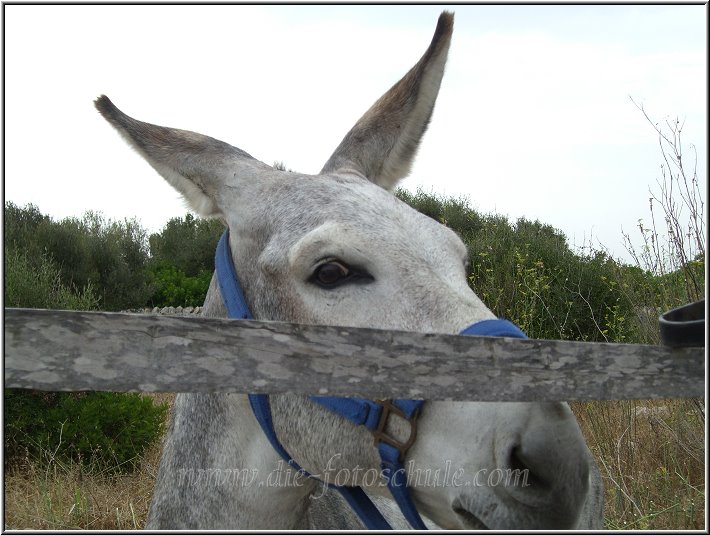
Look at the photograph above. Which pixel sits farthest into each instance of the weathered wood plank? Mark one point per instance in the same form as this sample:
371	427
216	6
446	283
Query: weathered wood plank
63	350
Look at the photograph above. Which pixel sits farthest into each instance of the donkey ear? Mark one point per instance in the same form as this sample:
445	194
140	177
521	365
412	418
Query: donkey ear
382	144
198	166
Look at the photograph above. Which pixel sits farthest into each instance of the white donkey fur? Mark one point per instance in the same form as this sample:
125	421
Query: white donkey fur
398	270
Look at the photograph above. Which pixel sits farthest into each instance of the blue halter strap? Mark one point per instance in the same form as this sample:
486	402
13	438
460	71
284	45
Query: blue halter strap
371	414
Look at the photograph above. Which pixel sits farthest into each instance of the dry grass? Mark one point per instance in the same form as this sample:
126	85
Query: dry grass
73	496
651	455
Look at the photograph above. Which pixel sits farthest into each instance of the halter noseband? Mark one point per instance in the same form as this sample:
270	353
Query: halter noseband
371	414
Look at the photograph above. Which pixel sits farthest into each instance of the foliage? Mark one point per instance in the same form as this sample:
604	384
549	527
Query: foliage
454	213
106	429
526	272
21	225
182	260
115	263
174	288
107	256
188	244
39	285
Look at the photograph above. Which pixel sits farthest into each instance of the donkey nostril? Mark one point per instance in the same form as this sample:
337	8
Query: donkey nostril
529	475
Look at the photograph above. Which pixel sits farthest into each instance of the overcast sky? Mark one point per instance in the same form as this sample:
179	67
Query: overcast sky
533	119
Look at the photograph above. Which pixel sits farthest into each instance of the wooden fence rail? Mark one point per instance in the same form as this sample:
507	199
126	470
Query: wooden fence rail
73	351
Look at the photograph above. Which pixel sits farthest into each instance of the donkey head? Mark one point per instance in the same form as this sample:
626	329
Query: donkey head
337	248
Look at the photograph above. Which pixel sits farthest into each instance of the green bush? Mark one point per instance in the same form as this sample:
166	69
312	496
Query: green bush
106	430
182	260
527	273
174	288
108	256
38	285
112	255
187	243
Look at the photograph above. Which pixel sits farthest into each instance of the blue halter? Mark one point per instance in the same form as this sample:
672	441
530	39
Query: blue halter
371	414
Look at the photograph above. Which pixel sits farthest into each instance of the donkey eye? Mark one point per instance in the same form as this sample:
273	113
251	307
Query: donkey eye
334	273
330	274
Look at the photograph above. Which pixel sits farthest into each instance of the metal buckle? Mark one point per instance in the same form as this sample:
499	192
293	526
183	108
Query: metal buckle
379	433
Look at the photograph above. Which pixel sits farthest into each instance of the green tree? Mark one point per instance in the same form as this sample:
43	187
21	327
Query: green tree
108	256
182	260
39	285
21	227
187	243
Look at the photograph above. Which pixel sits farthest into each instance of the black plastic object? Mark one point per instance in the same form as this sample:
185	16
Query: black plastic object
684	326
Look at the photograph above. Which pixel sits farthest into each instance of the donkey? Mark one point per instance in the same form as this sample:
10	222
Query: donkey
338	248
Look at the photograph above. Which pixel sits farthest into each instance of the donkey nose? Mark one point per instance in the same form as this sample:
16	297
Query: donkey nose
548	467
539	475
